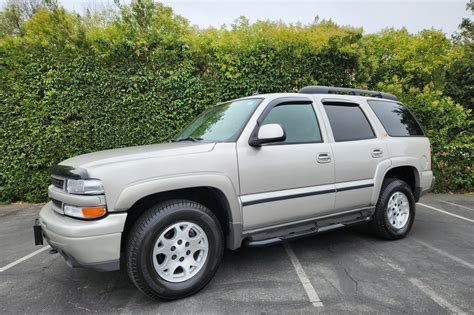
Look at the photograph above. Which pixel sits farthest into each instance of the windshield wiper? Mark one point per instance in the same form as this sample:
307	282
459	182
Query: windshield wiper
193	139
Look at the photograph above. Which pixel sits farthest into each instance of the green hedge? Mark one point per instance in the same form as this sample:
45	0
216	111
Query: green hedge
71	85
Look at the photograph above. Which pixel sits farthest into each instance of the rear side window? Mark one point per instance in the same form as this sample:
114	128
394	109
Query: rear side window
298	120
397	120
348	122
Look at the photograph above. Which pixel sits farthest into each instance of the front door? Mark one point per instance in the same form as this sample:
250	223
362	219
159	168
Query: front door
290	180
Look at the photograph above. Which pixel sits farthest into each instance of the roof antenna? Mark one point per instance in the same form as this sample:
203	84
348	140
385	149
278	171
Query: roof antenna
255	93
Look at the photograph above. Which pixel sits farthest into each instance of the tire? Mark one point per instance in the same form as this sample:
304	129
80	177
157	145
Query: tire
149	249
391	223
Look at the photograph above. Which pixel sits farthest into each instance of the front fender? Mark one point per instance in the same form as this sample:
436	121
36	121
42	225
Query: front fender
138	190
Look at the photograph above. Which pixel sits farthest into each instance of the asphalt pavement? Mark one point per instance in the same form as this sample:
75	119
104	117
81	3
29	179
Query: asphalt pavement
347	271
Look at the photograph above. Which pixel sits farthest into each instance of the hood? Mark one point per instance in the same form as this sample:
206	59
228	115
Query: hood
138	152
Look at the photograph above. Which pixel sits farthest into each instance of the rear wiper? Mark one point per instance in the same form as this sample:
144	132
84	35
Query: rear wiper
193	139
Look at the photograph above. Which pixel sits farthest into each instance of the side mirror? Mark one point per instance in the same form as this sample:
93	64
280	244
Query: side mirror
267	134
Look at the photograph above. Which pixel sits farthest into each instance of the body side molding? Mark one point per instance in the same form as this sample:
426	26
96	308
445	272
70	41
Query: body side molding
300	193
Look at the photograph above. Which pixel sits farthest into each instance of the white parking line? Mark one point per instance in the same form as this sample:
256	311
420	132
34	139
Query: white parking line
443	253
310	291
16	262
453	309
392	265
456	205
446	212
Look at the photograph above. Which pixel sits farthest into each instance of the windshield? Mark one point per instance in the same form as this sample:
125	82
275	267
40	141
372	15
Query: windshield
219	123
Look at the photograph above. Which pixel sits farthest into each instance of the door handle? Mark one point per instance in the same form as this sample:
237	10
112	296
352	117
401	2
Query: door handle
323	158
376	153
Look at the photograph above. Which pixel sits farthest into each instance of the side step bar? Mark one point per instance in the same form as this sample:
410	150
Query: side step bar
271	236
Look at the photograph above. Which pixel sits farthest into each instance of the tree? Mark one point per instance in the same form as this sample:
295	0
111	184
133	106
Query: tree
72	84
16	12
460	78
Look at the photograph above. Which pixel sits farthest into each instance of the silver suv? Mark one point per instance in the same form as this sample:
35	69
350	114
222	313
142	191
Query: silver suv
253	171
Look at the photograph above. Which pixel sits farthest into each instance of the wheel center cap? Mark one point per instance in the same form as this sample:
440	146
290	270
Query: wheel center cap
180	249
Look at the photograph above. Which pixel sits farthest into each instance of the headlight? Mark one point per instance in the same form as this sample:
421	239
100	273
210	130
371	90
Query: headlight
84	186
85	212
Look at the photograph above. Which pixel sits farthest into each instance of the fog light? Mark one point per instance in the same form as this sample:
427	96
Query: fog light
84	212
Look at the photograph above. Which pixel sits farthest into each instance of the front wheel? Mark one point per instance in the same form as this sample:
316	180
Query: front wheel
174	249
395	210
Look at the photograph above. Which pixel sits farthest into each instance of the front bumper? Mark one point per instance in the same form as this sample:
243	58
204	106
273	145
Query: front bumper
92	244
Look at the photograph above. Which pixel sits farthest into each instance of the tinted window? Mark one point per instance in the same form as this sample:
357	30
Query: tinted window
348	122
221	122
298	120
396	119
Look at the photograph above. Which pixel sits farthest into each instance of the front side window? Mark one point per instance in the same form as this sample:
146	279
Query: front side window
396	119
219	123
298	120
348	122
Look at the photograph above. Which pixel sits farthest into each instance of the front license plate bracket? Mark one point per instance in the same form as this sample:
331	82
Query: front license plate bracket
38	233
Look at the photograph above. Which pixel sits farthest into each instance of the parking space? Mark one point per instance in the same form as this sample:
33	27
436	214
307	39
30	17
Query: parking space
350	271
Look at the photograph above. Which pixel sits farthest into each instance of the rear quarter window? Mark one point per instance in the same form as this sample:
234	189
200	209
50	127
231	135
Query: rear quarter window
397	120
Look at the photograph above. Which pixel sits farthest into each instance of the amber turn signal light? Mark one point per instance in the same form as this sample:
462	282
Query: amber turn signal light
92	213
85	212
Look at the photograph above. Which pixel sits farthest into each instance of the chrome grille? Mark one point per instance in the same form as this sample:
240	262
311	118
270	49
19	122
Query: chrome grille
59	183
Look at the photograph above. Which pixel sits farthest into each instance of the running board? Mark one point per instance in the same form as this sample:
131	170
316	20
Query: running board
271	236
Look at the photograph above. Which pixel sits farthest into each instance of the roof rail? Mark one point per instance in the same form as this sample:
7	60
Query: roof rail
319	89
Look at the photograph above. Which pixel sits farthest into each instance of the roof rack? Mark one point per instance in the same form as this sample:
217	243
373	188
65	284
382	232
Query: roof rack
319	89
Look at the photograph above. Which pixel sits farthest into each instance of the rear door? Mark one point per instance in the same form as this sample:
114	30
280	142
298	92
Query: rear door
357	151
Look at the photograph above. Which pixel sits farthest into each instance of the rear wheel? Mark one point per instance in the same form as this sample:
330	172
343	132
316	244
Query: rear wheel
395	210
174	249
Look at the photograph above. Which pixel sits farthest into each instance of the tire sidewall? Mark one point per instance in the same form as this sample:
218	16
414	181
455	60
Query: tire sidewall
393	187
154	228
